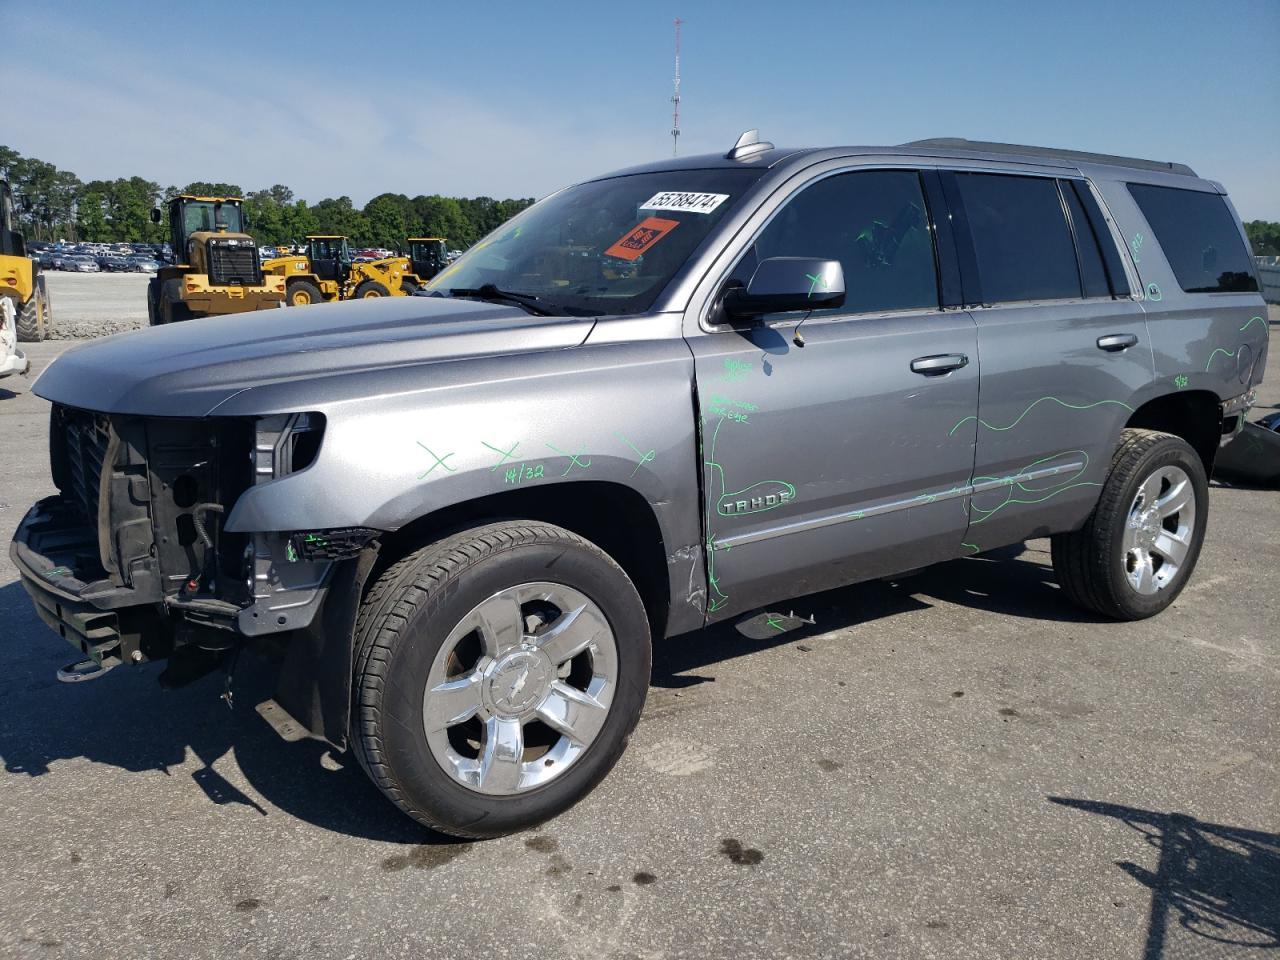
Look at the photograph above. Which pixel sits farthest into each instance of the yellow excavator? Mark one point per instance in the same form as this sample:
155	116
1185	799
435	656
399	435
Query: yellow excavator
20	277
218	270
327	272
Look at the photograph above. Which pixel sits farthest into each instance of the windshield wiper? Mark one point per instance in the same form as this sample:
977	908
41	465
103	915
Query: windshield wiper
492	294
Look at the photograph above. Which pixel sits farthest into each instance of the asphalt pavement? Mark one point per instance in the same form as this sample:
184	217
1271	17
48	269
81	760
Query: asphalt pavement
953	764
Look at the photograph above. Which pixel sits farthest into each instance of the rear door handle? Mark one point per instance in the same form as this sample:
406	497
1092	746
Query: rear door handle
937	365
1117	341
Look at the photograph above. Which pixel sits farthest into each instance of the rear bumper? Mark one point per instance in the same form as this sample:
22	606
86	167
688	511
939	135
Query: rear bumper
199	295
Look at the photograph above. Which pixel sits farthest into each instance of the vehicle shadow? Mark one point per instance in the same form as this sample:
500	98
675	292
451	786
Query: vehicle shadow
1216	882
1010	581
126	720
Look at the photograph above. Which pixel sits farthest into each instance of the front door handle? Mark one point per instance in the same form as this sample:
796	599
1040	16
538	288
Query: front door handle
1117	341
936	366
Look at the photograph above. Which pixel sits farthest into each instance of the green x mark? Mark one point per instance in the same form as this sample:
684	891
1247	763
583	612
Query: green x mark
573	460
644	457
440	461
503	455
771	622
814	281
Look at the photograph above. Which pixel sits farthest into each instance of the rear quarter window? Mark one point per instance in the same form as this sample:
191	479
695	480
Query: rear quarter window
1199	237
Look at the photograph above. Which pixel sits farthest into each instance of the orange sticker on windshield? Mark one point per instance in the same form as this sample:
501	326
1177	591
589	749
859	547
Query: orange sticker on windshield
646	233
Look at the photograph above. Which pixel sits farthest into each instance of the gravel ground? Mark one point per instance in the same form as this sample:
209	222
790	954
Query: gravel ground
96	304
954	764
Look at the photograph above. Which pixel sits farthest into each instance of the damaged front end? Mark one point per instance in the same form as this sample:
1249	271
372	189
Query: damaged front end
132	561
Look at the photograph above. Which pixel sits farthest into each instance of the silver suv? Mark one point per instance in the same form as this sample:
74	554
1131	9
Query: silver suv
655	400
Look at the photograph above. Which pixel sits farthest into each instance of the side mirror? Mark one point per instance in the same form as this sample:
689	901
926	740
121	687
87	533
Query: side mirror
155	214
788	284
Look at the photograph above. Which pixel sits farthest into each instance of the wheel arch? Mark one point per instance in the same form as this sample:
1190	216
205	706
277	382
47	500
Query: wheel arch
1193	415
613	516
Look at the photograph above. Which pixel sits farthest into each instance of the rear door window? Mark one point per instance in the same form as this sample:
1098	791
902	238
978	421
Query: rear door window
1199	238
1020	237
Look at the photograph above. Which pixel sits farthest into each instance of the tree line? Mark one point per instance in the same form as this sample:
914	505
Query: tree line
53	204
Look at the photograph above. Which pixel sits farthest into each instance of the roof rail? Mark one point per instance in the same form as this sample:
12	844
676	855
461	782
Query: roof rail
985	146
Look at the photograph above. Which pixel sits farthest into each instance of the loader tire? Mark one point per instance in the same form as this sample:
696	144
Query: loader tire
31	323
303	292
370	289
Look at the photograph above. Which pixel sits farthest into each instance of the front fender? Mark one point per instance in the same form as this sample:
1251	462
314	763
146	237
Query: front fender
614	412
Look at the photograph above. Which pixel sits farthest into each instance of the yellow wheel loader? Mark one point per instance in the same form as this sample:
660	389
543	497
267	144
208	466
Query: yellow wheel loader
218	269
327	272
20	277
427	257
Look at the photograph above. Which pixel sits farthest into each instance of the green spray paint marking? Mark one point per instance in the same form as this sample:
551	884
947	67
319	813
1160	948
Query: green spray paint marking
971	546
771	622
735	370
1252	321
1181	380
814	281
1135	245
648	457
1228	353
503	455
1069	406
574	460
1061	486
440	461
1153	291
290	552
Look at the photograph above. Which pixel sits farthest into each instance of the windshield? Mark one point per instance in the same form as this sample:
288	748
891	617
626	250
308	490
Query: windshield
202	215
609	246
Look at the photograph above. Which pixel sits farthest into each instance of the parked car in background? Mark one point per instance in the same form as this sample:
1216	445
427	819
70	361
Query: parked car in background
81	264
115	263
144	264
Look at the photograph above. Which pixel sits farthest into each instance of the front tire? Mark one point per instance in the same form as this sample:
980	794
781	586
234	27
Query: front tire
1138	548
498	676
302	293
371	289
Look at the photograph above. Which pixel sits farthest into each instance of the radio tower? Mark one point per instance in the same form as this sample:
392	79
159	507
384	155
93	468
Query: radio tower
675	97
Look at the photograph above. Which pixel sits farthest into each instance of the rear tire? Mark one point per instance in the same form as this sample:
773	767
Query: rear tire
528	621
303	292
371	289
1135	553
30	323
408	287
172	308
153	302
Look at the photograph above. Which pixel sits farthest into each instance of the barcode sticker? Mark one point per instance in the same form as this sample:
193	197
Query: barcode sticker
686	202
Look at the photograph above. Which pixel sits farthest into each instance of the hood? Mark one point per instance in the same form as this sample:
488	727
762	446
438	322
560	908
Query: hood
187	369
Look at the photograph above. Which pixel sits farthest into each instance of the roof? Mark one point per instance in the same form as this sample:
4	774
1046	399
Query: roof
192	196
962	145
324	236
419	239
768	156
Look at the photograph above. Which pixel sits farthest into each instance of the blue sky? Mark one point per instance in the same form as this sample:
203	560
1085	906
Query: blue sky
513	99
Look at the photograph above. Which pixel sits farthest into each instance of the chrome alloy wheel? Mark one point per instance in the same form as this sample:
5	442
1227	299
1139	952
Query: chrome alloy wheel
520	688
1158	532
